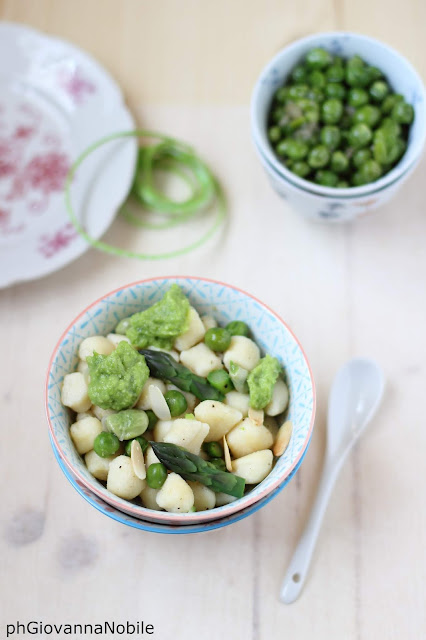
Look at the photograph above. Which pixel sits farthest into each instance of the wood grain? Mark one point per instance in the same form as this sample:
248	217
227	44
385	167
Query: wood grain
188	68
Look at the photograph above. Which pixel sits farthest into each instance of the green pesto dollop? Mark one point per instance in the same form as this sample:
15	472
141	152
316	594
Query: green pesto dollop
127	424
161	324
116	380
261	381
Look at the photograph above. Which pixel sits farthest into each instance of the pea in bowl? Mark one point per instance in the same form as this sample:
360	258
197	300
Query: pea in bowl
71	433
351	194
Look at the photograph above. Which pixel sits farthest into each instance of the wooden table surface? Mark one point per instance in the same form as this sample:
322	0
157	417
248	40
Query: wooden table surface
188	67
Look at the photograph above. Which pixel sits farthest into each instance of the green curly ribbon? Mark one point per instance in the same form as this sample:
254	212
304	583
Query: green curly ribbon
168	155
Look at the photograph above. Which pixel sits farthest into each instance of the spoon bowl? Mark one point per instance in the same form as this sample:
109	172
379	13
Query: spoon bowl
355	395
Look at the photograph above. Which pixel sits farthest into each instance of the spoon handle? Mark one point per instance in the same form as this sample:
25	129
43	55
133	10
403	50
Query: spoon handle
295	577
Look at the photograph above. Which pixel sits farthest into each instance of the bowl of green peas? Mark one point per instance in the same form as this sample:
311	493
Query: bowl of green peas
339	122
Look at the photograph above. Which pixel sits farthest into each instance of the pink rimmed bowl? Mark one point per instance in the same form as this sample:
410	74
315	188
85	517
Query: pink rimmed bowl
226	303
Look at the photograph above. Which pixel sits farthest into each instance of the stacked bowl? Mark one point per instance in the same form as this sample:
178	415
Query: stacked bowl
226	303
331	204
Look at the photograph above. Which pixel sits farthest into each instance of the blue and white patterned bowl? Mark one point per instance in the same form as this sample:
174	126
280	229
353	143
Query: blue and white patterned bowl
310	199
225	303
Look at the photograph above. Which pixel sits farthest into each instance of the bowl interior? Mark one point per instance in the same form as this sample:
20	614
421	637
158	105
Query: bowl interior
401	75
225	303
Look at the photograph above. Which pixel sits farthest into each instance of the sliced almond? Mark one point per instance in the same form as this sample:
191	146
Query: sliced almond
228	460
256	415
283	438
138	463
158	403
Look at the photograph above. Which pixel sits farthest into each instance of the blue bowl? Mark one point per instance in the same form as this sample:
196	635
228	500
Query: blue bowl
226	303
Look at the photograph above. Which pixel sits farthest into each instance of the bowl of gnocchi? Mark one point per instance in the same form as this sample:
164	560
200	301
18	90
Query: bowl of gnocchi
179	402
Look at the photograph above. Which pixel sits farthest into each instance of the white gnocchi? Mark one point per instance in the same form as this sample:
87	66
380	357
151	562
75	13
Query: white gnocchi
201	360
248	437
219	416
225	422
175	495
122	480
83	433
254	467
189	434
243	352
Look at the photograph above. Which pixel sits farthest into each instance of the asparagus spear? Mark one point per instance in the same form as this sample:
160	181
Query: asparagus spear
161	365
192	467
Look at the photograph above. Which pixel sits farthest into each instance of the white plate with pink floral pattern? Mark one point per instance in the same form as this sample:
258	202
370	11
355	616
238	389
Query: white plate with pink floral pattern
55	101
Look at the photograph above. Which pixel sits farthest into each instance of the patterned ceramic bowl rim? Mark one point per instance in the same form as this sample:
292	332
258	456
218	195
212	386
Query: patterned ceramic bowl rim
161	516
266	82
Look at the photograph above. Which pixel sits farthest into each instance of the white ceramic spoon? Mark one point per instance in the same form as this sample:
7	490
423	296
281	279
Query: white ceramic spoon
355	395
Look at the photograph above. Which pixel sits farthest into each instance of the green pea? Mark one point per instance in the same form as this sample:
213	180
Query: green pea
379	90
390	101
360	157
152	419
355	62
359	135
298	91
220	380
339	162
391	127
281	94
342	184
331	111
317	79
305	103
299	74
219	463
315	94
156	475
403	113
335	91
326	178
330	136
380	147
370	171
335	73
357	76
217	339
318	58
176	401
238	328
274	134
293	149
312	114
106	444
374	73
357	97
213	449
318	157
368	114
142	441
396	150
301	168
295	124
